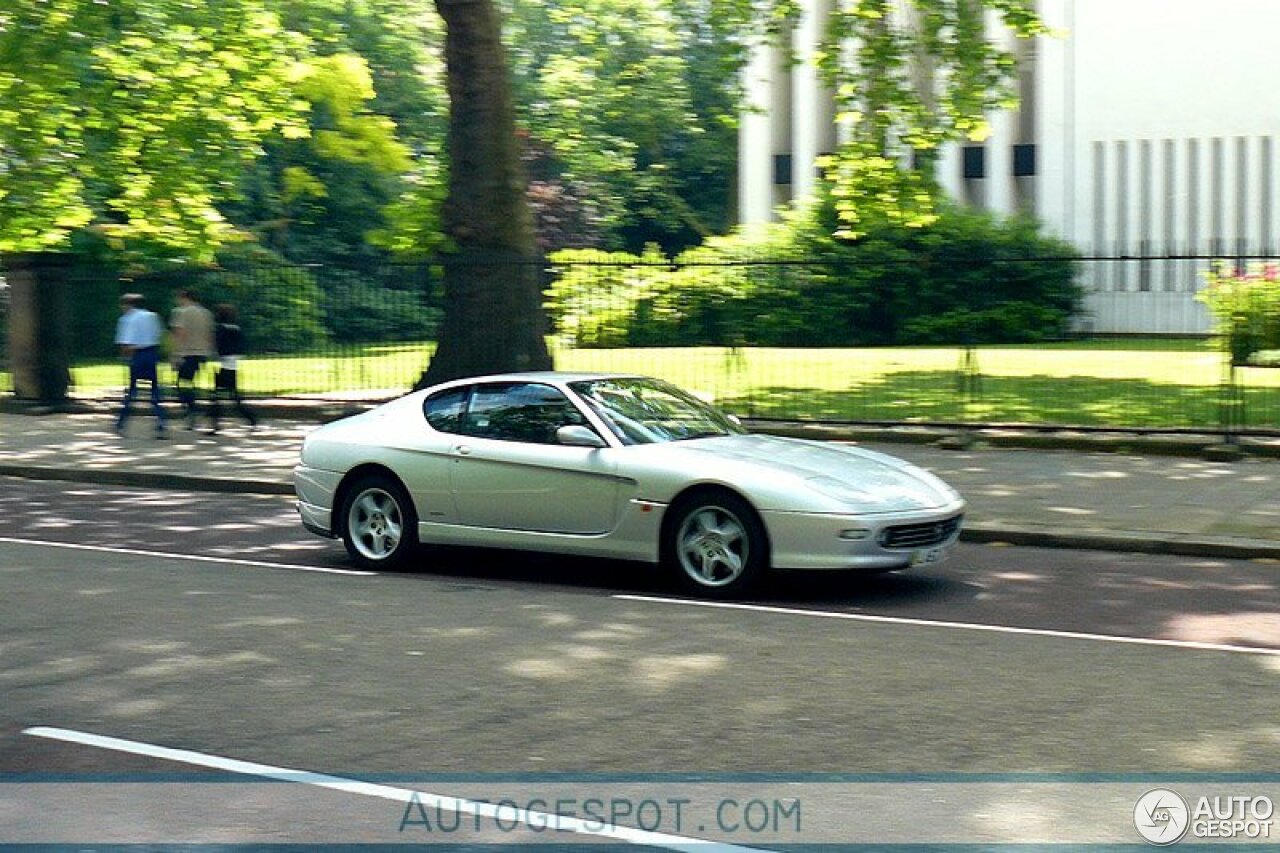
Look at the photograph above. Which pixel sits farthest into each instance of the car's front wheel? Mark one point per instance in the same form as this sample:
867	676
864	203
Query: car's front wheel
379	524
716	544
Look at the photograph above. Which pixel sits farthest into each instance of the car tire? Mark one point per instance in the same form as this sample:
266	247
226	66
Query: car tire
378	523
715	544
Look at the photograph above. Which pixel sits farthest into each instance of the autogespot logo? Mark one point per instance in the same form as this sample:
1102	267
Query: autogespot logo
1161	816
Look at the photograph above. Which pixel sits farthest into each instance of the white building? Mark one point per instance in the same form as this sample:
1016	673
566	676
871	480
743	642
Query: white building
1149	128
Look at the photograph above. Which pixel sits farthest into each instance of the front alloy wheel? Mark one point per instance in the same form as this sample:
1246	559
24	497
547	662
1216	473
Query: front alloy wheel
717	545
379	524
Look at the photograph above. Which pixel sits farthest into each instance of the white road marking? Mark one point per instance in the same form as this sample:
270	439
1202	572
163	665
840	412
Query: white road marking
387	792
108	549
966	626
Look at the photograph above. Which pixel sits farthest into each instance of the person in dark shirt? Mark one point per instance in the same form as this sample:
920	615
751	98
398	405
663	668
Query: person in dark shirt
229	341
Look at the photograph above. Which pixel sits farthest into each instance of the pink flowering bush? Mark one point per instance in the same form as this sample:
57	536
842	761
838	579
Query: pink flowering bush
1246	309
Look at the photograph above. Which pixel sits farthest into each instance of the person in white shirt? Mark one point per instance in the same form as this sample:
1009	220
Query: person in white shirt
138	333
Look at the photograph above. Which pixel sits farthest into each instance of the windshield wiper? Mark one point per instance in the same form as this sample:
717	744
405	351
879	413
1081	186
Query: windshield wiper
706	433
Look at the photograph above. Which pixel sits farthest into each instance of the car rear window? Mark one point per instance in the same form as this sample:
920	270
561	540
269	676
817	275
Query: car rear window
444	410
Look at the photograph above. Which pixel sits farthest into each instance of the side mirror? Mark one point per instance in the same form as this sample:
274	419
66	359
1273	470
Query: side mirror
579	436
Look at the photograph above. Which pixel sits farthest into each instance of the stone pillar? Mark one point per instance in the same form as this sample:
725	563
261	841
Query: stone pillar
39	337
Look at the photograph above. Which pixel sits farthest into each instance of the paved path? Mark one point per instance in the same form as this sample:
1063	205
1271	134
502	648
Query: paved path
1159	504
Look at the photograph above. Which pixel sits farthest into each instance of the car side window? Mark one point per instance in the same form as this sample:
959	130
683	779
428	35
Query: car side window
444	410
526	411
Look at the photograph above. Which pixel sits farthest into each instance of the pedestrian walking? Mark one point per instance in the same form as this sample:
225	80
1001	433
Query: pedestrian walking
229	342
192	327
138	333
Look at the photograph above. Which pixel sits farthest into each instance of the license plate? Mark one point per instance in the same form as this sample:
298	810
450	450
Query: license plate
926	556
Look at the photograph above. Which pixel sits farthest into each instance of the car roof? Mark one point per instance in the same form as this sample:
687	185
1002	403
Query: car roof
548	376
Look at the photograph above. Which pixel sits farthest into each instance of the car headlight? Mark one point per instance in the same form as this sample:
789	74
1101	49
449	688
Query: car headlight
843	492
932	479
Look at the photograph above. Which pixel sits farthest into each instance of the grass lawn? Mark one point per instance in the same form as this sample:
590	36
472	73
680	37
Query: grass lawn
1177	386
1122	383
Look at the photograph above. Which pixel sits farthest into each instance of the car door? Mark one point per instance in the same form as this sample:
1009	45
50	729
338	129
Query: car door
510	473
427	470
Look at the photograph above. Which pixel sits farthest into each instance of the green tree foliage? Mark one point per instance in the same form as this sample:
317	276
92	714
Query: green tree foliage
386	194
133	115
565	213
910	76
1245	305
322	197
362	308
636	100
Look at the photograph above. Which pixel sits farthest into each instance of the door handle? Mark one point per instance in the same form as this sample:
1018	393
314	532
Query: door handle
463	450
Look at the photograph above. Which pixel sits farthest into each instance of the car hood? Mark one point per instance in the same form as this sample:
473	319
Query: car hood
859	479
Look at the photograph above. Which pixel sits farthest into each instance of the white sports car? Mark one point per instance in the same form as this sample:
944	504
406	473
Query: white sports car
612	466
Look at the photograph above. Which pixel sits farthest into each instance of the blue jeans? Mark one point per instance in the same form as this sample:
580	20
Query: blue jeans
142	368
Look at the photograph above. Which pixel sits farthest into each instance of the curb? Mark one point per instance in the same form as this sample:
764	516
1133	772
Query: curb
1197	445
1169	544
147	480
1213	446
306	411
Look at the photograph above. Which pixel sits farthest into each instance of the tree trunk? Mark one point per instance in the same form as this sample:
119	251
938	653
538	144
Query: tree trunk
493	315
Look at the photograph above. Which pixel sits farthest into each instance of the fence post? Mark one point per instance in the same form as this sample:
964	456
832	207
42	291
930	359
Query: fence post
39	336
968	377
1231	414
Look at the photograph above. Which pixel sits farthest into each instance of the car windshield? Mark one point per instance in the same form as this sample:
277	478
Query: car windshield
646	411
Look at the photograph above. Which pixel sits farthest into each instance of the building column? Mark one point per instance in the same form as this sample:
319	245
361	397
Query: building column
814	102
1056	150
950	170
999	180
755	141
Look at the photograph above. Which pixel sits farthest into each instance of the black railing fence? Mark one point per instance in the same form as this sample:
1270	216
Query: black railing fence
967	340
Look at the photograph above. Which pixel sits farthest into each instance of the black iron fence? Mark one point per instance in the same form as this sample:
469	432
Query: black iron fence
980	340
308	329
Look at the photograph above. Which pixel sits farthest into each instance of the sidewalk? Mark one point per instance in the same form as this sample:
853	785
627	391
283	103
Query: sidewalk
1066	498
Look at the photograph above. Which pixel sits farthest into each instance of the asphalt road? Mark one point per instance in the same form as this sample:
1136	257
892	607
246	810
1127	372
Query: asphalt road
214	625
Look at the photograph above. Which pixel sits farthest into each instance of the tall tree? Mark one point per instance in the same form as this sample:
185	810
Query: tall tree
493	318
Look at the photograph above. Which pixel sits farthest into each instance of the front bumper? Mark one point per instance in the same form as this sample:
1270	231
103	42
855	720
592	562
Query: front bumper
802	540
315	518
316	489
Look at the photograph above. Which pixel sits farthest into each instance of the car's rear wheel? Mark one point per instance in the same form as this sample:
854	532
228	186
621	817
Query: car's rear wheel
379	524
716	544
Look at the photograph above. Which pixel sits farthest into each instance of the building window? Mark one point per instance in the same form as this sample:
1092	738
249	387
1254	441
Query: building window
975	162
782	169
1024	160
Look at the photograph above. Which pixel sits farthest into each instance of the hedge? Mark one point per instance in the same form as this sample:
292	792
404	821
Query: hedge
968	278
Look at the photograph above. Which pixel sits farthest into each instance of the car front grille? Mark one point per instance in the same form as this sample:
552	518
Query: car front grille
920	535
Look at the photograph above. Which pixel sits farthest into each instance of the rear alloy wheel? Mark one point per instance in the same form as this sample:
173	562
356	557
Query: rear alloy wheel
379	525
717	545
